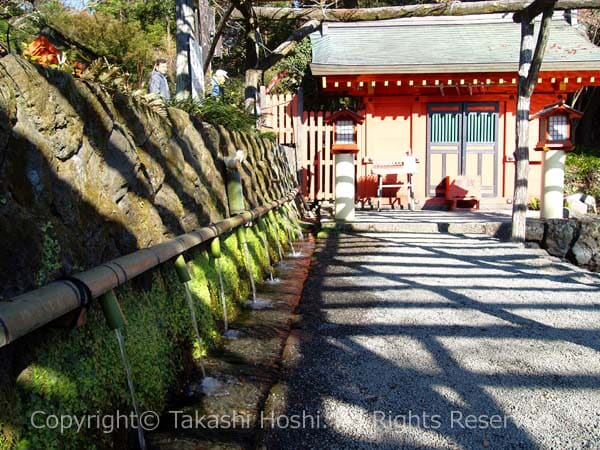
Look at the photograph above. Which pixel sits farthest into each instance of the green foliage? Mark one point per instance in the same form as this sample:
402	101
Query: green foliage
269	135
232	264
202	275
296	65
10	430
260	260
79	373
582	173
147	13
126	43
19	23
50	257
189	105
534	204
218	112
130	34
280	228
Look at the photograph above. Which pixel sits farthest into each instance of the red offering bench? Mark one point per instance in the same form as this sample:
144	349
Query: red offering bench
465	189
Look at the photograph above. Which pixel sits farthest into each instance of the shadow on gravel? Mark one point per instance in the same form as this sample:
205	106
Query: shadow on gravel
346	394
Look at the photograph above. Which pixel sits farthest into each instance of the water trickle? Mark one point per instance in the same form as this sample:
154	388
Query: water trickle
266	246
279	248
260	303
249	267
256	303
190	302
274	281
232	334
282	265
210	386
301	234
125	360
222	294
291	239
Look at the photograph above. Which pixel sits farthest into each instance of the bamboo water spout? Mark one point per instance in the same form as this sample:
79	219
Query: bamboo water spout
185	277
32	310
115	320
215	251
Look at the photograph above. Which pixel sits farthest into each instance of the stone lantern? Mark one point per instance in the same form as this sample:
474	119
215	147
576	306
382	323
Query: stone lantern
555	138
344	147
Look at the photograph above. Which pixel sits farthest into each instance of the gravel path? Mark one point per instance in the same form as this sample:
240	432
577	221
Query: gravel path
440	341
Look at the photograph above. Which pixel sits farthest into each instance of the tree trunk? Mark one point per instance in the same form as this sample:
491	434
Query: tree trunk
449	8
519	213
251	92
529	68
186	29
217	37
253	71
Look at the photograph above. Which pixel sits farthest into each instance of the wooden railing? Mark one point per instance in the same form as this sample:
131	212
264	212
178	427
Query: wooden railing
306	131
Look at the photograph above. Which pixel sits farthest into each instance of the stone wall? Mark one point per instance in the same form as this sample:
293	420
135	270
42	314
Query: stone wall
87	175
100	175
577	240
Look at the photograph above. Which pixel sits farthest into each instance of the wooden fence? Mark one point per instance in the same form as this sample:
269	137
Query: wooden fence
307	132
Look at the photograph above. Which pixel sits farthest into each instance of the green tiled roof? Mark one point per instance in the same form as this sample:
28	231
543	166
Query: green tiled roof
443	44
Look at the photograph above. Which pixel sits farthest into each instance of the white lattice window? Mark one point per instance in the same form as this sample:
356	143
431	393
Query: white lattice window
558	127
344	132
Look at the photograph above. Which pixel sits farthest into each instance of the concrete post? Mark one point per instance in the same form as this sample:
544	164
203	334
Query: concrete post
553	184
344	186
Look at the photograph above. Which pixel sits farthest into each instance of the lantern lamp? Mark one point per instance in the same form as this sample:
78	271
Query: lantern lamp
555	140
344	147
345	136
556	126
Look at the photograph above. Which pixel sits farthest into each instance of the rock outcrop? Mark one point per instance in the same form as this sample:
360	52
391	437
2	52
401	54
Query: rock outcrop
577	240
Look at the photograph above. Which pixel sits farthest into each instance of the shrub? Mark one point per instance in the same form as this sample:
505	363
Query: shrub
217	112
582	173
534	204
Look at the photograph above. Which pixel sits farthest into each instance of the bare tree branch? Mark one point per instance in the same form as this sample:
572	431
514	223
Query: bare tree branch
533	10
392	12
217	36
287	46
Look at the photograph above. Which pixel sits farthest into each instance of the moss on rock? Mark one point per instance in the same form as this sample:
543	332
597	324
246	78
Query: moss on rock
90	175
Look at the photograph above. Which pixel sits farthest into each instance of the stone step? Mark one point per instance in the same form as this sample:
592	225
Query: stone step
497	229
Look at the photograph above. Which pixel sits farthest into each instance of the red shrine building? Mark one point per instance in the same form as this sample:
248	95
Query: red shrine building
443	89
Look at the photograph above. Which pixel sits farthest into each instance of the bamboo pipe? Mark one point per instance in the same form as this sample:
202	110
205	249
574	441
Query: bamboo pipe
32	310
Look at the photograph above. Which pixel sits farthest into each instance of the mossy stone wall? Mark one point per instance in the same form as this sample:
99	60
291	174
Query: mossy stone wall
87	175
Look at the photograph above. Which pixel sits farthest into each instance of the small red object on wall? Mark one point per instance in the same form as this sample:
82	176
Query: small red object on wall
42	52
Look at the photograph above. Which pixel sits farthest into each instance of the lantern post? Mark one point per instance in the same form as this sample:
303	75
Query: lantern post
344	148
555	138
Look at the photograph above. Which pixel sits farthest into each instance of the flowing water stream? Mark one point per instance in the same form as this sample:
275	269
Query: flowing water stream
256	303
188	296
266	247
125	361
222	294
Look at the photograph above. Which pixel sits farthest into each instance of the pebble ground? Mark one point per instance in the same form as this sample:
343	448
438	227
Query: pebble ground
441	341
